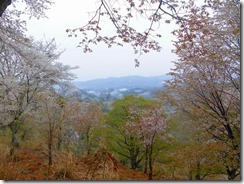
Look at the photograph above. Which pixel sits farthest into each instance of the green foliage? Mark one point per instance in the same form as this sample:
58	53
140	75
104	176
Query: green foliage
128	147
191	154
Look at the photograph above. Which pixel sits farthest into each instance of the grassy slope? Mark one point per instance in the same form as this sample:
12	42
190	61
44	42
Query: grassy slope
29	164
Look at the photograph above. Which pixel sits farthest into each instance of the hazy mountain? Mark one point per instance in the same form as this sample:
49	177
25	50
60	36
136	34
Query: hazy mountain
128	82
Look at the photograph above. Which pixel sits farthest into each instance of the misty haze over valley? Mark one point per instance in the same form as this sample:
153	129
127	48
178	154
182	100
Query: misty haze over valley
109	89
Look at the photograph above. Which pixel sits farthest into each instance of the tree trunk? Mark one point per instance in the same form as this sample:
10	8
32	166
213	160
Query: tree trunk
14	127
150	174
150	162
50	156
231	174
133	162
50	144
146	160
15	141
197	177
88	143
134	153
60	139
190	174
59	144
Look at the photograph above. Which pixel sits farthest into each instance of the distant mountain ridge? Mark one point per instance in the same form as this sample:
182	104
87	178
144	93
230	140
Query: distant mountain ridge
129	82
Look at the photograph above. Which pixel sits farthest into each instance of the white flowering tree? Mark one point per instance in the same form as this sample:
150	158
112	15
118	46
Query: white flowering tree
23	75
148	126
13	27
33	8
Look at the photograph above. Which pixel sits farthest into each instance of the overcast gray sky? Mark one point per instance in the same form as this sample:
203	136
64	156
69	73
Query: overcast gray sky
103	62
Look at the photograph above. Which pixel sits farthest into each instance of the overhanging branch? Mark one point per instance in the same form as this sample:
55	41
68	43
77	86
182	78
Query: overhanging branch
3	5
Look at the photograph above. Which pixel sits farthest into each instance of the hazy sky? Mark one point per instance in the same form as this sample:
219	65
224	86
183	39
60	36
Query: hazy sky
103	62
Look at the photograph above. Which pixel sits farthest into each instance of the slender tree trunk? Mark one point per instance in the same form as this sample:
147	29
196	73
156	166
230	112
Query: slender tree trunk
133	158
50	144
198	171
15	141
190	174
60	140
88	143
50	156
133	162
150	163
14	127
59	144
146	161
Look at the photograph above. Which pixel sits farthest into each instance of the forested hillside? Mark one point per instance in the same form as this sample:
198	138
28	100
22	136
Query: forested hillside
188	130
128	82
109	89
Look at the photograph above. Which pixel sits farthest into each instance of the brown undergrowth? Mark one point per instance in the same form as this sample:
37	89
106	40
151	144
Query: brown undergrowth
29	164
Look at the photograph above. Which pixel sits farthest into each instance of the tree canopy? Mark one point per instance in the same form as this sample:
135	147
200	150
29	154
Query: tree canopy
206	77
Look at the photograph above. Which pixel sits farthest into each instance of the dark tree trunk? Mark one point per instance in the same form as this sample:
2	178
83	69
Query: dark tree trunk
88	142
59	144
50	156
15	141
134	158
150	163
14	127
50	145
231	173
197	177
3	6
146	160
60	140
133	162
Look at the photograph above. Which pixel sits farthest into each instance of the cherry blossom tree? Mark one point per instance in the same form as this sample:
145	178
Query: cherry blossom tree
23	75
147	125
33	8
13	27
122	16
26	67
206	77
11	24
